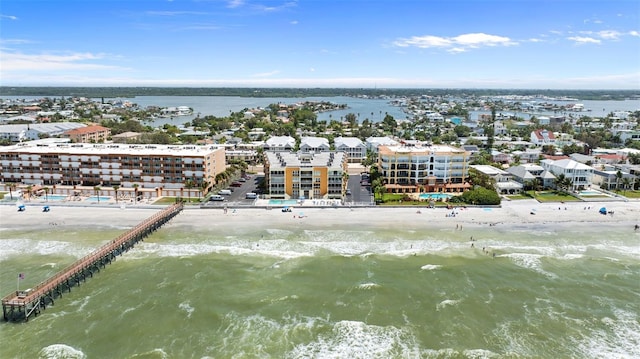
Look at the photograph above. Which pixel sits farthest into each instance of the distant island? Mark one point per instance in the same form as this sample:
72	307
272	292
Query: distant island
131	92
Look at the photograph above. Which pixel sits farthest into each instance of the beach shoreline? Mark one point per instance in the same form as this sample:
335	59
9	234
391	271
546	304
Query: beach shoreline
527	213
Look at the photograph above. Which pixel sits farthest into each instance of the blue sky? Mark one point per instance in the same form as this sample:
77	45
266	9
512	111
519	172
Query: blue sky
571	44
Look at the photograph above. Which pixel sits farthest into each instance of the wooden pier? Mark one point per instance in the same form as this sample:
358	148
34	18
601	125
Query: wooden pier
21	305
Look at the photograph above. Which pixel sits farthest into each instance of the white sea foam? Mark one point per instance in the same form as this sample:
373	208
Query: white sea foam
350	339
447	303
186	306
431	267
158	352
529	261
14	247
368	286
60	351
620	339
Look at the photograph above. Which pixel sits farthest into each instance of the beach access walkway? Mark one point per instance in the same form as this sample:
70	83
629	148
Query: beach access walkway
21	305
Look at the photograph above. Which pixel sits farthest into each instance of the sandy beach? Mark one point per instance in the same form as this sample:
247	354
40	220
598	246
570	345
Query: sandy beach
516	213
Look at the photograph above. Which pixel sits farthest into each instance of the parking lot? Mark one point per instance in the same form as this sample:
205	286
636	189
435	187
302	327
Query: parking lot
358	192
239	190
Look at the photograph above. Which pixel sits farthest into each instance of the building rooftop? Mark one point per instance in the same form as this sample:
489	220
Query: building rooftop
110	148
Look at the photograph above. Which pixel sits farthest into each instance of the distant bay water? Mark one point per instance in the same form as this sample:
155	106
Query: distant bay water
373	109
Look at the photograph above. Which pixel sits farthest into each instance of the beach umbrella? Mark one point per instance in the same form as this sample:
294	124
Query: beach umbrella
603	210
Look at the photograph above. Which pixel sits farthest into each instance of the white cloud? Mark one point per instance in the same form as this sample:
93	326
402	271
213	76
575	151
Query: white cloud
10	17
235	3
294	22
609	34
456	44
267	74
584	40
634	33
14	61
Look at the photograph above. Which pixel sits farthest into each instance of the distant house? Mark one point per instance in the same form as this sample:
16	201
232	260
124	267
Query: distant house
528	172
543	137
88	134
609	179
580	174
373	143
280	144
126	137
500	157
504	182
314	145
353	146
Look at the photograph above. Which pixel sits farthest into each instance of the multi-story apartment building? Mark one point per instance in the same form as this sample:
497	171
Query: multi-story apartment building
88	134
301	175
82	164
434	168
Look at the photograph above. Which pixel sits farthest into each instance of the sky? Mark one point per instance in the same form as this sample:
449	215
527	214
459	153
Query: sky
518	44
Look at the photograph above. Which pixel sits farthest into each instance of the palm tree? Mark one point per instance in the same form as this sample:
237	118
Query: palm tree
618	178
563	182
189	184
626	182
29	188
12	187
135	192
115	190
97	189
46	193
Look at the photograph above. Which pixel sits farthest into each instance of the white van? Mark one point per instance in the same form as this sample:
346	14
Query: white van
216	197
251	195
225	192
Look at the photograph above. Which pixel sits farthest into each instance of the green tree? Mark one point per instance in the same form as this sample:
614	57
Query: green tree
115	190
97	189
189	184
479	196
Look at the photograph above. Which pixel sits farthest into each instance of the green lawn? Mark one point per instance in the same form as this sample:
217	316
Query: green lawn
629	194
552	196
172	200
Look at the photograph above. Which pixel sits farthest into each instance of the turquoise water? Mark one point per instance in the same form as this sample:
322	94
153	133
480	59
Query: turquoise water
294	290
591	193
435	195
95	198
55	197
282	202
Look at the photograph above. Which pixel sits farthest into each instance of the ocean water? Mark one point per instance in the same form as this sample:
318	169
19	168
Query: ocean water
282	291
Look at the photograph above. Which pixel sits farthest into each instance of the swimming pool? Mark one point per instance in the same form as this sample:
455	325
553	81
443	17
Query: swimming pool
435	195
95	198
591	193
55	197
281	202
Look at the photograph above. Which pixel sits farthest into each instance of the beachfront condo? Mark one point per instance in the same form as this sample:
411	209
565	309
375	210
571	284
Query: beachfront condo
166	168
420	169
298	175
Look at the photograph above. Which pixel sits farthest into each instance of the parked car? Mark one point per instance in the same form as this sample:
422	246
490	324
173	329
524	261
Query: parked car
225	192
348	192
236	184
216	197
251	195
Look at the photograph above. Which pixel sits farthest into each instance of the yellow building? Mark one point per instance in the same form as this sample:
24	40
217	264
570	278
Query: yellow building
299	175
419	169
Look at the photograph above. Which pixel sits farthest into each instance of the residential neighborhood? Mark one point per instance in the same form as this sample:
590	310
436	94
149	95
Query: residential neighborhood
437	148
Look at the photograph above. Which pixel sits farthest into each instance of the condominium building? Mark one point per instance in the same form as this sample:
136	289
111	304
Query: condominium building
290	175
435	168
88	134
83	164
